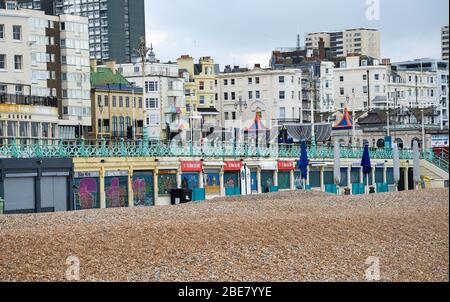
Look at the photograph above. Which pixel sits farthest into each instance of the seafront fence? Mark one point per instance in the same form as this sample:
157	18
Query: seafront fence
102	148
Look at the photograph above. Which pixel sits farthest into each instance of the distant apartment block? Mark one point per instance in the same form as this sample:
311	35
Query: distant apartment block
115	27
361	41
445	43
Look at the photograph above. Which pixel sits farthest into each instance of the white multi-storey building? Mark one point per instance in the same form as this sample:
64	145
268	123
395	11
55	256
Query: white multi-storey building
363	41
273	94
421	83
326	86
363	84
28	104
47	58
75	75
360	84
164	98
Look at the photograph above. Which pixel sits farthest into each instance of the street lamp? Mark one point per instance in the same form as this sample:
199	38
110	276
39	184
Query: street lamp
141	52
240	106
100	108
133	105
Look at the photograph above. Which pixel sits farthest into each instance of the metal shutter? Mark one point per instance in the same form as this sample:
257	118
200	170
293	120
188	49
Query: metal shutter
54	193
19	194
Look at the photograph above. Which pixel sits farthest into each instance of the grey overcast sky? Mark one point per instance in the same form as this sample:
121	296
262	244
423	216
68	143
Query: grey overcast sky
244	32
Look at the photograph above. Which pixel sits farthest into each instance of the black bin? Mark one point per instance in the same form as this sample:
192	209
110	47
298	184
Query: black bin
183	196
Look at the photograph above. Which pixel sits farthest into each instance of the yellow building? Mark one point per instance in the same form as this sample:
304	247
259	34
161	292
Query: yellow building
114	113
200	91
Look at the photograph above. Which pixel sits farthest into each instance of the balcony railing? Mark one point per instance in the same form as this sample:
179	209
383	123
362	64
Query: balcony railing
17	99
122	148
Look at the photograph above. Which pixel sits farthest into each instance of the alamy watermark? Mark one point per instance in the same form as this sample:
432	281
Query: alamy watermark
373	10
373	272
73	271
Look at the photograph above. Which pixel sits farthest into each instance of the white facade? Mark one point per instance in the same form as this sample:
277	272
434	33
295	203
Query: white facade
54	63
356	84
164	98
14	79
327	87
274	94
28	108
422	83
75	73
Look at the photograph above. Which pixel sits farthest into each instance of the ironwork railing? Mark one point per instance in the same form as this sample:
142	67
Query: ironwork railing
121	148
440	160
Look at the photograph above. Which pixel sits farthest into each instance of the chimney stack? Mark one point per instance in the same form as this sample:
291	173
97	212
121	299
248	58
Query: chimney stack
111	65
321	49
257	65
386	61
93	64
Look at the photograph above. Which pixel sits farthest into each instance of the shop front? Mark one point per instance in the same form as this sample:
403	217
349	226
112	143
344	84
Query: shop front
143	188
86	187
190	177
212	179
116	189
232	177
268	176
167	181
285	170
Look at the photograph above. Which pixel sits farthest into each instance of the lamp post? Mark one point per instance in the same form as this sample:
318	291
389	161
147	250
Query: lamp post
313	129
368	90
241	105
133	105
353	117
141	52
100	108
423	130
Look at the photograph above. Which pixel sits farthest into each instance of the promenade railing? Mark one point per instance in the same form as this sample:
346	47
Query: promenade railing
122	148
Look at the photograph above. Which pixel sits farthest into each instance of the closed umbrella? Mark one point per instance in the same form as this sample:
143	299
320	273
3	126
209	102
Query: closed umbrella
416	160
303	163
366	165
337	164
396	158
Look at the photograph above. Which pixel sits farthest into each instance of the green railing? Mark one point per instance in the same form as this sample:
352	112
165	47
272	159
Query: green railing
439	161
86	149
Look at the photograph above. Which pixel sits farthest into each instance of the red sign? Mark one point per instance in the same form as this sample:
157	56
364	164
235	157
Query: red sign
285	165
233	165
191	166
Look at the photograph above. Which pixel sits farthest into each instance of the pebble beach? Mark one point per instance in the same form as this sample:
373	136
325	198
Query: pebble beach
287	236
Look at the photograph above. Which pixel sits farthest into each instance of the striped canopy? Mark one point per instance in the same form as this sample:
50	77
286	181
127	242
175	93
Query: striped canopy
346	122
257	125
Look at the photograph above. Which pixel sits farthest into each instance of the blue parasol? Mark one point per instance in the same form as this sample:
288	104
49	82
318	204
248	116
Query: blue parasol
365	164
303	163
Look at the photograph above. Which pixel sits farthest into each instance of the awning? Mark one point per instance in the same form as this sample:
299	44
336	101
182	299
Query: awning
208	111
301	132
257	125
345	123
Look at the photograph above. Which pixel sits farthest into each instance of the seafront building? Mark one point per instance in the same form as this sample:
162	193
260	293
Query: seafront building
201	95
118	107
164	99
44	73
273	95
